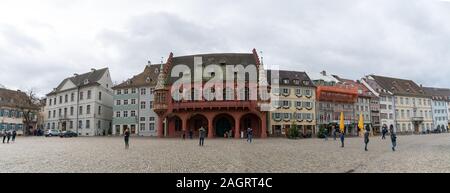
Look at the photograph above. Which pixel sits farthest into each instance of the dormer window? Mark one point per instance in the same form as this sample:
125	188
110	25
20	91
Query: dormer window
86	81
296	82
306	83
147	80
285	81
156	70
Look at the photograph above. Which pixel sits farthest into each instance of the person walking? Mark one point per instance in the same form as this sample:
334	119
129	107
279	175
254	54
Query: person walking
249	135
14	134
191	134
342	139
384	132
366	137
202	135
8	135
393	138
325	134
4	135
334	130
126	136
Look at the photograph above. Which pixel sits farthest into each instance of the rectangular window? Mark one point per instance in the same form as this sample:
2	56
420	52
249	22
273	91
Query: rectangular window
133	101
125	102
308	92
72	97
99	96
88	109
118	114
150	105
125	91
99	124
142	127
89	93
80	124
143	105
142	119
298	92
117	102
88	124
151	126
80	110
119	92
133	90
133	114
143	91
66	98
152	90
71	125
81	96
151	119
125	114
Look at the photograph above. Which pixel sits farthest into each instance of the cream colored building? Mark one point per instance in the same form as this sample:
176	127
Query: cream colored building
296	104
412	106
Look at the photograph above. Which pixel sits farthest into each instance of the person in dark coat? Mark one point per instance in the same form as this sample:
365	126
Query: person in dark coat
126	136
14	134
384	132
325	134
4	135
366	137
393	138
202	133
342	139
249	135
8	136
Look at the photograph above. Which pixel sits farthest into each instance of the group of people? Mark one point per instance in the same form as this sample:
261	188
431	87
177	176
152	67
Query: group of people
8	135
335	131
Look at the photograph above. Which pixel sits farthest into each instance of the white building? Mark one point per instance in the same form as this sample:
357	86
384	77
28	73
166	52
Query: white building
133	104
82	103
386	100
440	107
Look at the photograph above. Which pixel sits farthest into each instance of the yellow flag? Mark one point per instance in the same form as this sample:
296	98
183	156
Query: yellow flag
361	123
341	123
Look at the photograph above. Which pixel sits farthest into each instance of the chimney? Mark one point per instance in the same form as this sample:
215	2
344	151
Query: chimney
75	74
92	69
324	73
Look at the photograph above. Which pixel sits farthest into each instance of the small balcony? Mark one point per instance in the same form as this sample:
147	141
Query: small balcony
418	119
214	105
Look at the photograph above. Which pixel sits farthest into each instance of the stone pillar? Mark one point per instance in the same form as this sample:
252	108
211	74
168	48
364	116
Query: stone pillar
210	127
264	125
160	127
237	130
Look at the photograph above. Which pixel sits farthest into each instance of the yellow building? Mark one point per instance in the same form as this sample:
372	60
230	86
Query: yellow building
296	104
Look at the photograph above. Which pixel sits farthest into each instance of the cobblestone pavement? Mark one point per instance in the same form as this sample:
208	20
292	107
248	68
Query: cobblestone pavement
424	153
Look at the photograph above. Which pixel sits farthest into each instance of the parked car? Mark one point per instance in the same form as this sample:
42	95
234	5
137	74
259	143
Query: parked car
52	133
68	134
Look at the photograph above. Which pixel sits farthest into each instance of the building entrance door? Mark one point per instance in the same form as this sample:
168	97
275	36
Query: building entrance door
223	125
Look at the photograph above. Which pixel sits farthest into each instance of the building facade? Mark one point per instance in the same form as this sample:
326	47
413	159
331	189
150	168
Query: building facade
333	98
412	106
82	103
133	104
439	107
12	110
232	107
296	104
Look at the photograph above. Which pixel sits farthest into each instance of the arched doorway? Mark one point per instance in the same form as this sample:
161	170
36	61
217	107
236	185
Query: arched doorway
175	125
223	123
251	121
196	122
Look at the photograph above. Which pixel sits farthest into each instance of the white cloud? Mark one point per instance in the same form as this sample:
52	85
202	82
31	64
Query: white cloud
45	41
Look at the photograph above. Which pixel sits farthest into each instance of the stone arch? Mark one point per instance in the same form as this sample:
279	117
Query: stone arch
222	124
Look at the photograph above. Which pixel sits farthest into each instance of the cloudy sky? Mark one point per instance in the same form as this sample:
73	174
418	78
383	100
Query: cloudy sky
42	42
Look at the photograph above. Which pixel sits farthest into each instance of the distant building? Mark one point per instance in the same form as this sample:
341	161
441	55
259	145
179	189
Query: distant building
440	107
333	98
367	104
411	104
133	104
296	104
12	107
82	103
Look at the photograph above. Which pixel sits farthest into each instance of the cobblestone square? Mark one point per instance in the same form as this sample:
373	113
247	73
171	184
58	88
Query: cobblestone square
416	153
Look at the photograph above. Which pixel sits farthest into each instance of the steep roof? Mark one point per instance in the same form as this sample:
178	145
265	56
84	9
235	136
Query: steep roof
222	59
148	77
363	91
400	86
92	78
14	99
302	77
438	93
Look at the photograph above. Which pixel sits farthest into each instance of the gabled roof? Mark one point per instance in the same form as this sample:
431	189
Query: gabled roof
148	77
438	93
400	86
15	99
363	91
91	78
302	77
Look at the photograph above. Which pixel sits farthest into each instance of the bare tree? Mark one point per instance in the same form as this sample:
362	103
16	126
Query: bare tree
28	104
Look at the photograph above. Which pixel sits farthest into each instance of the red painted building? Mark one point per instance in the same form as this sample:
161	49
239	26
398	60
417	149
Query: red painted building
218	117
